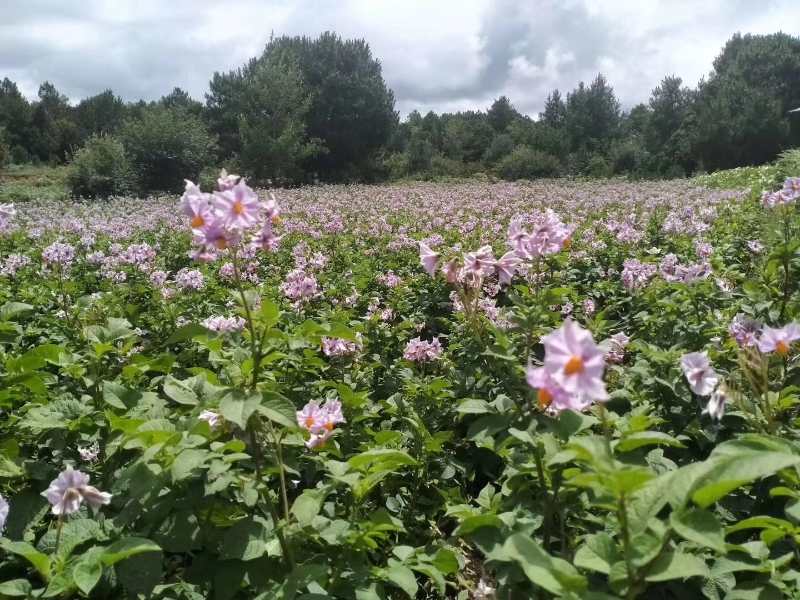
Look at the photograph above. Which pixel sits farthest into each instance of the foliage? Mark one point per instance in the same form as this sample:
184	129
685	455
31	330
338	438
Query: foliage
175	385
101	168
526	163
165	146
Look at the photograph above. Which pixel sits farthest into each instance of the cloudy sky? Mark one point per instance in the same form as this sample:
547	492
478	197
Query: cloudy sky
437	54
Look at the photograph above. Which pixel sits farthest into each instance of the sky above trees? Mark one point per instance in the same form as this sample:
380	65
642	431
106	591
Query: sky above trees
443	56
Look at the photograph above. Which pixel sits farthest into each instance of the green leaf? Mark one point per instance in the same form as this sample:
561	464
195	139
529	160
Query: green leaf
597	553
729	471
186	332
384	459
699	526
8	468
470	524
87	572
307	506
127	547
140	574
269	314
473	406
237	407
16	588
646	438
278	409
246	540
41	562
186	462
181	392
402	577
555	575
676	565
9	310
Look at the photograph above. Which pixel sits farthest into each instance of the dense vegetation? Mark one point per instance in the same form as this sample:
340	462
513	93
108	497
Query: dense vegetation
318	109
541	389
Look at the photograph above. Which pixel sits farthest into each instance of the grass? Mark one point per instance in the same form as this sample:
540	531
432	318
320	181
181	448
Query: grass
21	183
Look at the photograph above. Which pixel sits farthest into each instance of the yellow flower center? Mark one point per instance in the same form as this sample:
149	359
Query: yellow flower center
566	244
544	398
221	243
309	422
198	221
238	207
329	426
574	366
782	348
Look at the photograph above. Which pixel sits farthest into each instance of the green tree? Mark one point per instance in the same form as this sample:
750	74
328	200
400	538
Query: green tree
100	114
274	142
100	169
179	98
15	117
166	146
56	132
501	114
351	110
555	111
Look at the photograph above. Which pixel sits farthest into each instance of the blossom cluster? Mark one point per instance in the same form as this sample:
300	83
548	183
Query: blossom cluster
422	351
338	347
788	194
320	421
220	220
222	324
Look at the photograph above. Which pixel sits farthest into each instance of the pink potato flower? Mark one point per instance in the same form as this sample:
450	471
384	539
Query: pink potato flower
699	373
70	489
575	362
778	340
320	421
550	396
428	258
237	207
506	266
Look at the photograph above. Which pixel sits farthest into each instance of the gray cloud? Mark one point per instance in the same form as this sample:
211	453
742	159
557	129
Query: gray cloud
443	56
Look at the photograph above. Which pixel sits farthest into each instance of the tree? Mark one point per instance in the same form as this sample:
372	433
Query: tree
555	111
179	98
166	146
592	117
55	129
351	110
669	103
501	114
274	142
102	113
15	116
741	110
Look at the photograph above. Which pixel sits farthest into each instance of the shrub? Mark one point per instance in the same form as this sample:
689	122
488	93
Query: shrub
166	146
526	163
397	165
19	156
788	164
100	169
598	166
502	145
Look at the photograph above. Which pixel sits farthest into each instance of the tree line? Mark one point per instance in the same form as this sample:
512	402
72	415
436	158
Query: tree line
318	109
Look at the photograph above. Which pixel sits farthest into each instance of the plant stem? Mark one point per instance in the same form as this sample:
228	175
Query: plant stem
58	533
622	516
548	507
258	458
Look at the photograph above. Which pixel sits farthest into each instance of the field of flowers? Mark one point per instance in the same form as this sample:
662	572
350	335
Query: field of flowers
473	391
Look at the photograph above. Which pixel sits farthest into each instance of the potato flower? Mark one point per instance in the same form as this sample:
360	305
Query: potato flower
70	489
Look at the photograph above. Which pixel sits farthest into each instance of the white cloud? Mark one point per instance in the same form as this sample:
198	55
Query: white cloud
446	55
